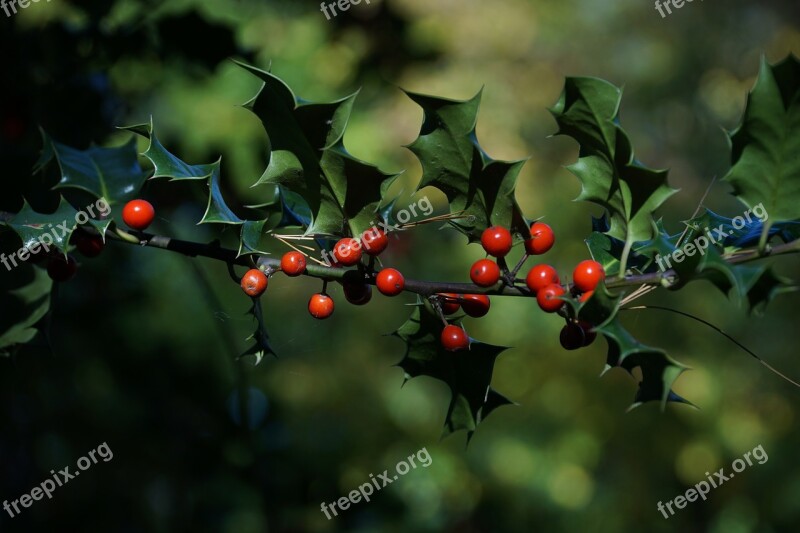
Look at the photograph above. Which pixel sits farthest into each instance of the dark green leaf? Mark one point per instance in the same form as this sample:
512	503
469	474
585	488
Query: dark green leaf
647	254
261	345
467	373
307	156
25	300
588	111
765	148
110	173
453	162
167	165
50	229
659	371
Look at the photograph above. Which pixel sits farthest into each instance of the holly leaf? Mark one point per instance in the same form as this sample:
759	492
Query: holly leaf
610	175
729	232
467	373
307	156
754	285
25	300
652	251
40	230
765	148
217	210
479	187
110	173
252	237
659	371
600	308
261	343
167	165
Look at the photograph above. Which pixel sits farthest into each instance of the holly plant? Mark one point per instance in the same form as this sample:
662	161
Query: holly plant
333	214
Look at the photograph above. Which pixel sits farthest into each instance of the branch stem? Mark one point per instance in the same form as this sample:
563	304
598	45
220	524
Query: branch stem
423	288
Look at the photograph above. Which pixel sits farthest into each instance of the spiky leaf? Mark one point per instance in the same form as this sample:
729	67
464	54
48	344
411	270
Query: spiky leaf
610	175
659	371
765	148
110	173
48	229
453	162
307	156
261	343
25	300
467	373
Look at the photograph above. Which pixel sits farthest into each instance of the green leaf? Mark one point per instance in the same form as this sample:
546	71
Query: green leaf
659	371
610	175
649	252
601	307
169	166
307	156
467	373
25	300
723	230
110	173
765	148
754	285
453	162
261	345
217	211
165	164
252	236
49	229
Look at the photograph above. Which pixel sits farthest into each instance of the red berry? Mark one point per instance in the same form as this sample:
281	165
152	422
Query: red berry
587	332
585	296
540	277
484	273
572	337
449	303
374	241
138	214
254	283
454	338
293	264
390	282
548	298
89	245
347	251
542	239
496	241
357	293
475	305
60	269
320	306
587	275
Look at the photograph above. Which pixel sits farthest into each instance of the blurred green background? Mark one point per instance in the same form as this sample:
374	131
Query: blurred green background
143	350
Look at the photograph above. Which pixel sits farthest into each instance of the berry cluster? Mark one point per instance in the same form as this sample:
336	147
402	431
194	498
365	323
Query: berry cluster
346	252
542	281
